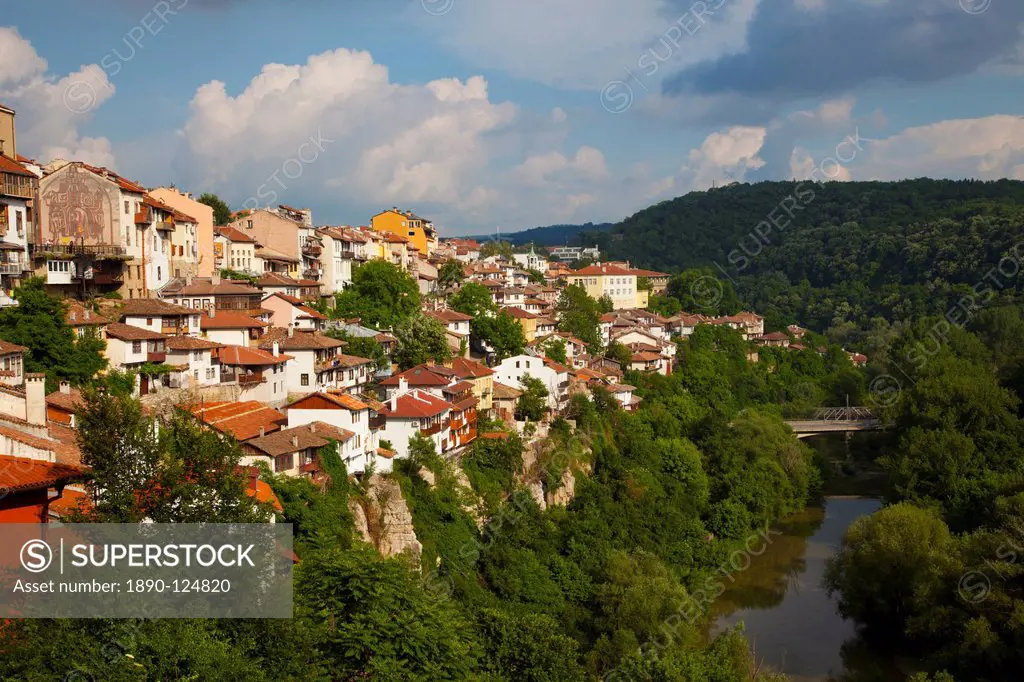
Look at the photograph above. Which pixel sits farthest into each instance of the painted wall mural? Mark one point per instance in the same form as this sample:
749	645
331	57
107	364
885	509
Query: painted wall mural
77	206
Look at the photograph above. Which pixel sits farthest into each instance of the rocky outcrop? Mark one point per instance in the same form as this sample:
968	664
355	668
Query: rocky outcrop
565	492
384	520
536	490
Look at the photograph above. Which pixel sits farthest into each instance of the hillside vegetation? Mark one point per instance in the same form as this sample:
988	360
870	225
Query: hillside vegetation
838	252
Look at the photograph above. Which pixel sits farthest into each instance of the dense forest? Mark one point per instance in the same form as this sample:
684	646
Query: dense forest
836	253
615	585
551	235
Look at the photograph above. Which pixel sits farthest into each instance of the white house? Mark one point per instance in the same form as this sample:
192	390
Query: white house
454	321
295	451
555	377
260	375
12	363
344	412
231	329
290	312
155	315
317	361
196	357
414	411
130	347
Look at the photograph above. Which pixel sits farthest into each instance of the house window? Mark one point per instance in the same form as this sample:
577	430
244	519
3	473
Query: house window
197	355
149	321
136	346
283	463
248	224
305	380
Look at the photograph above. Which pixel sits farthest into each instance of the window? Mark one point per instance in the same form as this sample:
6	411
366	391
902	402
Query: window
305	380
149	321
197	355
195	374
127	208
248	224
136	346
284	462
210	371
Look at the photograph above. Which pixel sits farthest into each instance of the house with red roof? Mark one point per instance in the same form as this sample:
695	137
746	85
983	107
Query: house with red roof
242	420
259	374
553	375
231	328
413	411
617	281
317	362
344	411
291	312
12	363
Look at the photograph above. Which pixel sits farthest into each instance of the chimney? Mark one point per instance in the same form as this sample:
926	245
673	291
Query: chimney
295	441
213	312
65	388
73	316
403	385
215	280
277	349
35	399
263	431
87	315
291	331
394	401
312	428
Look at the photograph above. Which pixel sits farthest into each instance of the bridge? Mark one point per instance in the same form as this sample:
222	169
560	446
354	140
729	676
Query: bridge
836	420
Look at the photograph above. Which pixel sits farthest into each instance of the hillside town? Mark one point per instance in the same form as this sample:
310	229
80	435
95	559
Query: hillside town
235	325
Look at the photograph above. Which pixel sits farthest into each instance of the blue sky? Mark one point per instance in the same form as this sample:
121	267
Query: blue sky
485	113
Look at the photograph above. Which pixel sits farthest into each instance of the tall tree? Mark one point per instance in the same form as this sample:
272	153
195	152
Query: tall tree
221	210
473	299
420	339
381	295
501	332
451	274
580	315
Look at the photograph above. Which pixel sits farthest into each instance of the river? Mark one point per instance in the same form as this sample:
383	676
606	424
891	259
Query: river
790	621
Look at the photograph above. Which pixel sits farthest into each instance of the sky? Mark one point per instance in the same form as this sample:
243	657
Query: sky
485	114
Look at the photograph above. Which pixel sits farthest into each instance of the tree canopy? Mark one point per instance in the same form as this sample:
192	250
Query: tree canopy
381	295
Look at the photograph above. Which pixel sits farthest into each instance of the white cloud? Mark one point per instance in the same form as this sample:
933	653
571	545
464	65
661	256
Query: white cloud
988	148
50	109
724	157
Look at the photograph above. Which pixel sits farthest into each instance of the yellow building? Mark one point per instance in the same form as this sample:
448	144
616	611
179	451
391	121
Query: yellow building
526	320
614	281
419	231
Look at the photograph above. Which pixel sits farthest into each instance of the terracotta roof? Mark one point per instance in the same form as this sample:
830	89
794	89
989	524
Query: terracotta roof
154	306
605	269
242	420
249	357
126	332
314	435
342	400
190	343
774	336
558	367
79	316
261	490
235	235
298	341
466	368
230	320
646	357
123	183
300	304
272	279
448	316
421	375
205	287
9	165
6	347
520	314
414	405
504	392
69	502
69	402
23	473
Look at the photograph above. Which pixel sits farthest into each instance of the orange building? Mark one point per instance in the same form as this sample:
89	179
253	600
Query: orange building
420	232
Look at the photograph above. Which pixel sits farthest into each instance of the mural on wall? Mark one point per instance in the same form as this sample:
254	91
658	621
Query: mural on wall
75	207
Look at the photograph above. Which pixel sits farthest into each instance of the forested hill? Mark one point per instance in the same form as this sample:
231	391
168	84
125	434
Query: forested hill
553	235
867	244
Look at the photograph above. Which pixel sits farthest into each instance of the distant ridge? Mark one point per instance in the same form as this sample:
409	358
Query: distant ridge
551	235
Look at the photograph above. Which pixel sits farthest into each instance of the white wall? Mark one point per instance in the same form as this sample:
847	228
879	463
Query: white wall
512	370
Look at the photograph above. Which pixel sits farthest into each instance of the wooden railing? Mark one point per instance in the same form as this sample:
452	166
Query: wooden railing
17	186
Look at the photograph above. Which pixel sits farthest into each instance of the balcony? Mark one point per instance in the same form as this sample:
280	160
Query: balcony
310	469
311	274
17	186
250	379
378	422
312	251
143	216
431	430
346	255
99	251
11	269
156	358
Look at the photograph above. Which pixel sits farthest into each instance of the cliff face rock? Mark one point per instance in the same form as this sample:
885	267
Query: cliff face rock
387	520
536	489
359	520
566	491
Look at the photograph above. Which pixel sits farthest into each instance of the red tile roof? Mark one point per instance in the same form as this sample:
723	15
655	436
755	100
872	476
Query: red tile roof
6	348
314	435
126	332
342	401
520	314
415	404
242	420
249	357
298	341
235	235
421	375
190	343
448	316
471	369
79	316
146	307
23	473
230	320
9	165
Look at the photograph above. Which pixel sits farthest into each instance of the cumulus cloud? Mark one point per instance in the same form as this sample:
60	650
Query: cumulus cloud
50	108
724	157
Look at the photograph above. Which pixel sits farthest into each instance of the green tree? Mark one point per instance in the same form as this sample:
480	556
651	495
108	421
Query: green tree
533	403
555	349
420	339
451	274
38	323
703	291
580	315
499	331
221	210
497	247
362	347
473	299
620	354
381	296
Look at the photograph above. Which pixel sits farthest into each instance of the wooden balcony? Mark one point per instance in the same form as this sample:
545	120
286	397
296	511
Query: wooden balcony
143	217
99	251
250	379
11	268
312	251
156	358
310	469
378	422
20	186
431	430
